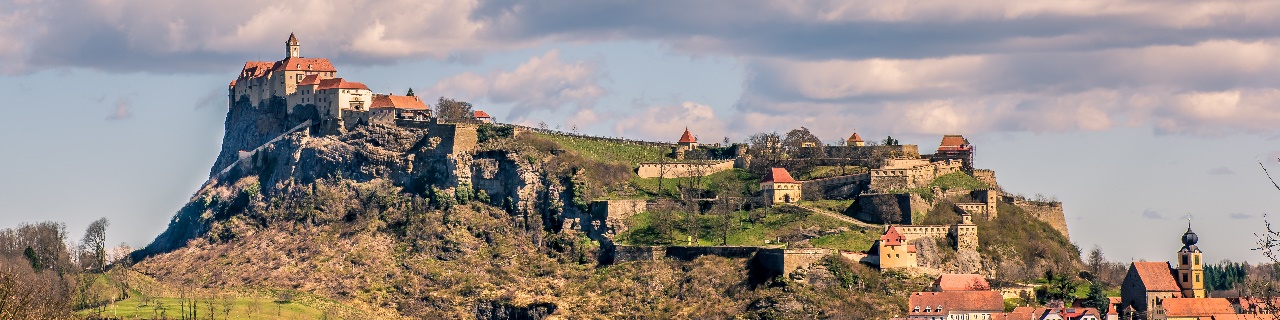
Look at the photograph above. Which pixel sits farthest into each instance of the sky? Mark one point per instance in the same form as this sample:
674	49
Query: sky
1137	114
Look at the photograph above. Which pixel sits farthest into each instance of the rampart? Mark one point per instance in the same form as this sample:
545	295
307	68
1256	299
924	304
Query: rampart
896	177
905	150
986	176
965	235
1049	212
682	169
609	217
766	262
454	137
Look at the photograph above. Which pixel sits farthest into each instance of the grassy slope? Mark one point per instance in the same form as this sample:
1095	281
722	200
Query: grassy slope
771	226
150	299
649	186
607	151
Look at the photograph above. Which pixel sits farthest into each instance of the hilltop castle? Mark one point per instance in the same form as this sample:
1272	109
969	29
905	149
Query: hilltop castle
311	85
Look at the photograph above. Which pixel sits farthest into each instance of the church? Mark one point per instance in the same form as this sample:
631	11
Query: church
1157	290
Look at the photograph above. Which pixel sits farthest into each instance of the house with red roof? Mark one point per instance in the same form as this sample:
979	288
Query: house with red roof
955	305
1195	308
960	282
483	117
260	81
777	186
855	140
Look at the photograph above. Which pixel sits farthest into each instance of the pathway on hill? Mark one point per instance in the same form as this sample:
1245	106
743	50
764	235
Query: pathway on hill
233	164
838	216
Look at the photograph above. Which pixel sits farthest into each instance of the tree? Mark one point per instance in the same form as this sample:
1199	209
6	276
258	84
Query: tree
1096	261
94	256
800	143
410	93
890	141
1097	298
449	110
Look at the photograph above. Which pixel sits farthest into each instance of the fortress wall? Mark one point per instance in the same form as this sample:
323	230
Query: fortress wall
454	137
682	169
986	176
784	261
1049	212
608	218
874	208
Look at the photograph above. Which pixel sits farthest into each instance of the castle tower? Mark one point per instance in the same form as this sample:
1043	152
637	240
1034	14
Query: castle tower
855	141
291	47
1190	272
687	141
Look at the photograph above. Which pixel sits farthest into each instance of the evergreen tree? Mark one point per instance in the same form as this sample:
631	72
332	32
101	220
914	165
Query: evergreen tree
1096	298
410	93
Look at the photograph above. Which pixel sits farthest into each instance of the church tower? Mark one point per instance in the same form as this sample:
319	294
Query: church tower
1190	272
291	47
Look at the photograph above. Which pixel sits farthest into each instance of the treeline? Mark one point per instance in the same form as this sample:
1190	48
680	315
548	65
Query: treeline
45	275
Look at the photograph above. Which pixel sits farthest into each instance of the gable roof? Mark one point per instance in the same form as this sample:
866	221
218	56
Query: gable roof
940	303
303	64
313	79
961	282
1196	306
480	114
1155	276
892	237
339	83
776	175
854	138
687	137
397	102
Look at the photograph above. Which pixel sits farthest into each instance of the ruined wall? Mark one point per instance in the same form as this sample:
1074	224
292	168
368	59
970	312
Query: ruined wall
682	169
897	178
454	137
986	176
1049	212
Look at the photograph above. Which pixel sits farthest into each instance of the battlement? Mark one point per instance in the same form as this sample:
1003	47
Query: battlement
683	169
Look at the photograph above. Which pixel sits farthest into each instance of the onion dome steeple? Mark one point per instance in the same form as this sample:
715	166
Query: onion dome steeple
1189	240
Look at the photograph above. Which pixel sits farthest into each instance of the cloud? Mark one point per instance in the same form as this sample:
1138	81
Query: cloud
1242	216
1152	214
214	98
667	122
1221	171
121	111
541	83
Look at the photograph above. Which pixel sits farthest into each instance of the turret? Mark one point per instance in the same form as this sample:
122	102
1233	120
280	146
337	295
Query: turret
291	47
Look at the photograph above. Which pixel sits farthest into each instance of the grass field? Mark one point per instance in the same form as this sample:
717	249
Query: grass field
607	151
820	172
649	186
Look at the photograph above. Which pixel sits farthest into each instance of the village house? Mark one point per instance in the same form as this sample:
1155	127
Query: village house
482	116
777	185
894	252
955	305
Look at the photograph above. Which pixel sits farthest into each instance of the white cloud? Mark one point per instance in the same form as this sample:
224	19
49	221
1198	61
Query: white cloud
541	83
667	122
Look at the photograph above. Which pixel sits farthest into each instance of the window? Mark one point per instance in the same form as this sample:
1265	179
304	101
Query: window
1184	259
1197	277
1197	260
1184	277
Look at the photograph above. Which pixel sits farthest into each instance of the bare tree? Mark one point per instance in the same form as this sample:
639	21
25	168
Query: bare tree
449	110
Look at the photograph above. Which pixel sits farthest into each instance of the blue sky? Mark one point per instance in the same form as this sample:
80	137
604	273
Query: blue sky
1134	113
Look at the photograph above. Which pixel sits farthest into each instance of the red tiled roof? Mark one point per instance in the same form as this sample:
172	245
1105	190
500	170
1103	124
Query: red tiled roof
892	237
233	83
310	80
952	140
1232	316
911	249
939	303
687	137
397	102
855	138
778	175
339	83
1181	307
303	64
480	114
961	282
1156	276
1065	313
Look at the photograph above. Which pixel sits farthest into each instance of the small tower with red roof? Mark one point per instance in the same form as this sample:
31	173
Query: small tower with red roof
894	250
687	141
778	187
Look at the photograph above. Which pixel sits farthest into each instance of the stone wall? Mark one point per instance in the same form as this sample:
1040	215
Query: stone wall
683	169
898	178
773	262
609	217
1049	212
986	176
907	150
874	208
767	262
454	137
